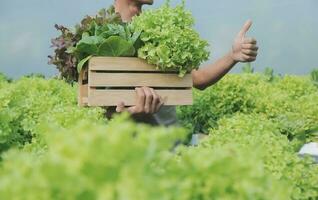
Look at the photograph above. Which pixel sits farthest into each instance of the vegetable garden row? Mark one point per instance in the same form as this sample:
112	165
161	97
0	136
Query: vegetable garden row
256	124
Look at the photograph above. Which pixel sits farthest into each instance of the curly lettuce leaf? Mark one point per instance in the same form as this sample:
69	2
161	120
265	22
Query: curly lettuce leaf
170	42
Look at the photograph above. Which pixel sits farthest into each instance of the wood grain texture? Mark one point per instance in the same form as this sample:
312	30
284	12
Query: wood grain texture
112	97
85	75
83	95
80	92
120	64
84	89
85	101
126	72
139	79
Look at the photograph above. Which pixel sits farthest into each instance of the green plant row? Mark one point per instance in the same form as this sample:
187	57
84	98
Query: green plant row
290	102
28	102
123	160
56	150
246	158
256	133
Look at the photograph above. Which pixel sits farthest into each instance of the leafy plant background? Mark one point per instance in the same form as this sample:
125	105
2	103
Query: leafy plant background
256	126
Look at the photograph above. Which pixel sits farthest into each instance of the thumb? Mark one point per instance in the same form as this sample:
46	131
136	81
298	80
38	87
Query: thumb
245	28
120	107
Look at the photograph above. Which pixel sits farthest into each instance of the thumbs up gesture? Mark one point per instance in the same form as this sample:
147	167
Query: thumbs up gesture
244	49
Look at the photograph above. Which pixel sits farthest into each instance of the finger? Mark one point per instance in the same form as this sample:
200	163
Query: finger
253	47
250	41
160	104
249	58
149	98
249	52
120	107
141	98
133	110
155	101
245	28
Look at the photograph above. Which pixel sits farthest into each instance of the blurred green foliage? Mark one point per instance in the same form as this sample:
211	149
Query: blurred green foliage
290	102
53	149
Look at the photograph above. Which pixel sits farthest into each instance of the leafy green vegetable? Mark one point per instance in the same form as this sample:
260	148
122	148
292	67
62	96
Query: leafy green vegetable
89	45
269	74
29	102
82	63
48	144
114	40
314	76
164	37
116	46
64	58
125	160
248	69
169	40
262	136
288	101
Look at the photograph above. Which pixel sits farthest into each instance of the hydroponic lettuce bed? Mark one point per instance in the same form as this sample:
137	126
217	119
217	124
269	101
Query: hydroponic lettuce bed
53	149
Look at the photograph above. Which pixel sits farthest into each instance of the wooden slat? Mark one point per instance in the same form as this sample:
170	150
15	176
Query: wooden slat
84	89
138	79
120	64
112	97
80	92
85	75
83	95
85	101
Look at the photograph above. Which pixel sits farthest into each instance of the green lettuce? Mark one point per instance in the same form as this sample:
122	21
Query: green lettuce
170	42
112	40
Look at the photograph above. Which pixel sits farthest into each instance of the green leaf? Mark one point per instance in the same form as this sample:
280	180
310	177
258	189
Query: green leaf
269	74
116	46
116	29
135	36
182	73
93	28
314	76
89	45
163	52
171	28
85	35
82	63
71	50
248	69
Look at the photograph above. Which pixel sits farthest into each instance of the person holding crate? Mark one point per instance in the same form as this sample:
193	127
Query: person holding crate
150	106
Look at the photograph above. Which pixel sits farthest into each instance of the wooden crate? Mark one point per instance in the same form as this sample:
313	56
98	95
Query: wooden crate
110	80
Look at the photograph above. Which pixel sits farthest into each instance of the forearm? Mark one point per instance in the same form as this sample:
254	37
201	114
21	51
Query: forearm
212	73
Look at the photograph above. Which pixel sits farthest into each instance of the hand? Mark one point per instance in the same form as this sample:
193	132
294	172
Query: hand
148	102
244	49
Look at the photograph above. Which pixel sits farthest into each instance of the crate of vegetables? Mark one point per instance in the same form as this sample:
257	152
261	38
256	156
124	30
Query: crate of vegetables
110	80
158	48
